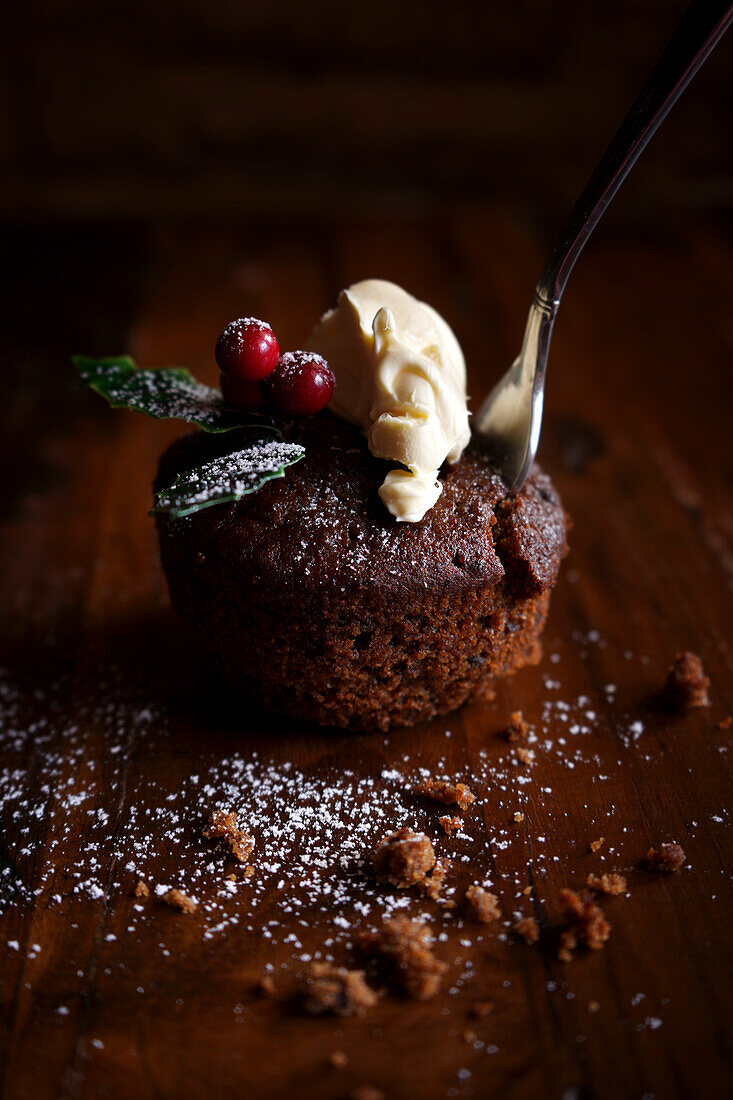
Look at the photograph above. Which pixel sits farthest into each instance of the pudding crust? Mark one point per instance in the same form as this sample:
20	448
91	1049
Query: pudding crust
311	600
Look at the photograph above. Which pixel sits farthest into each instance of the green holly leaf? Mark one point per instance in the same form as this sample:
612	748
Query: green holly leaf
167	393
228	478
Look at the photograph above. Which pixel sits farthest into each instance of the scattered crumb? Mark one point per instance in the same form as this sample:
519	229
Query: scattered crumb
433	884
592	1006
339	1059
406	946
527	929
469	1036
485	906
403	858
519	817
223	824
337	990
568	944
178	900
525	756
527	891
366	1092
667	857
482	1008
142	890
687	685
725	723
607	884
586	924
516	729
451	825
447	793
266	986
596	845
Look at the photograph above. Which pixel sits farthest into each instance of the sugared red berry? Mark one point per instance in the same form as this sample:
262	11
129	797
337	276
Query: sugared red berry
242	394
301	383
247	350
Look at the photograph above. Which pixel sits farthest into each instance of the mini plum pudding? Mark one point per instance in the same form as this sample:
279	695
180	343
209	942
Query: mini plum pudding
387	576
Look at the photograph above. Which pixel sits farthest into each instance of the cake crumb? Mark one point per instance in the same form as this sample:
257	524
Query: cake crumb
266	986
525	756
451	825
592	1006
527	891
178	900
527	929
433	884
725	723
516	729
568	944
611	884
481	1009
596	845
406	947
485	906
586	923
667	857
142	890
339	1059
223	825
447	793
403	858
336	990
687	685
366	1092
519	817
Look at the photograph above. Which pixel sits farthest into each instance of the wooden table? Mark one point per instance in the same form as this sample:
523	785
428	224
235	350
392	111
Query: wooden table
111	730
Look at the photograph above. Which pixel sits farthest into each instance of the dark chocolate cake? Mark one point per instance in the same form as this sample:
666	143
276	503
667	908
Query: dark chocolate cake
313	601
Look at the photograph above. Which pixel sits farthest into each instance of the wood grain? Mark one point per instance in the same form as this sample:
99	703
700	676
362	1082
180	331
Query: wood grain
637	441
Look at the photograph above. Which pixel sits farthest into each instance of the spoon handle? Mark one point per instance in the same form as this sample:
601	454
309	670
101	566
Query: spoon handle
701	27
509	420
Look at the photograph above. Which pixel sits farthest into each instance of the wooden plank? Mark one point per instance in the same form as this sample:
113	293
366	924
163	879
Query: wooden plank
122	742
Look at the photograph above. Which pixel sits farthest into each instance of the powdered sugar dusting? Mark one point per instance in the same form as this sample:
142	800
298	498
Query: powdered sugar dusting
96	823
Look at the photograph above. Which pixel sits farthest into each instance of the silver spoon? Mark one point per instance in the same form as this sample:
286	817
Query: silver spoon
509	420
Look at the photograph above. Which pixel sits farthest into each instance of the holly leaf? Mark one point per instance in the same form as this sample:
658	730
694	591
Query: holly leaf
226	479
166	393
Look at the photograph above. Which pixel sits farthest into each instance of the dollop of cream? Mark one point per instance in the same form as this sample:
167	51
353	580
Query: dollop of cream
401	376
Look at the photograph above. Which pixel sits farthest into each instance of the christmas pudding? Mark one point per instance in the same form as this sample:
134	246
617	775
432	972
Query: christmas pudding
365	566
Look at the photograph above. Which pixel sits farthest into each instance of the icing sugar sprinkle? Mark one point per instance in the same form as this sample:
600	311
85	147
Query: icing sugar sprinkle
73	797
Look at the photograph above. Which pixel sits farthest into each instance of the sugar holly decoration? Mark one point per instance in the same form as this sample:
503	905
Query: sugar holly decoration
301	383
253	373
255	379
242	394
247	350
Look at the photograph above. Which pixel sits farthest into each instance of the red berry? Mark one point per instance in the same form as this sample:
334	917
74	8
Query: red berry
301	384
247	350
242	394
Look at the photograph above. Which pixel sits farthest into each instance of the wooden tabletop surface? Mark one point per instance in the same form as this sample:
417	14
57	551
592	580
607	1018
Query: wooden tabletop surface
115	742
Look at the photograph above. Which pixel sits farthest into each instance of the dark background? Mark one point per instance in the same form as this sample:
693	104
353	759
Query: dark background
160	109
167	167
